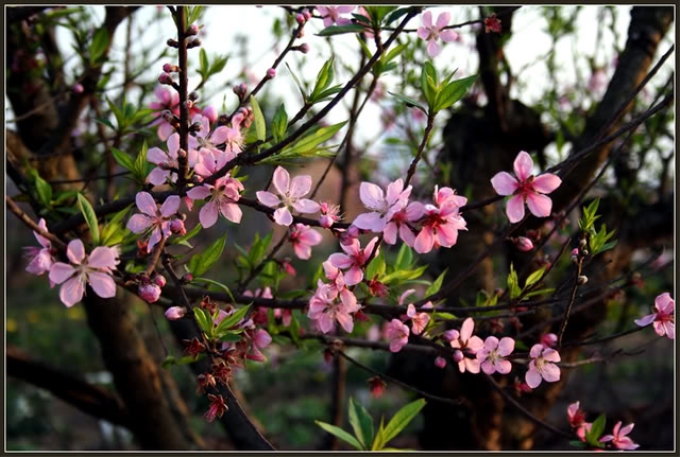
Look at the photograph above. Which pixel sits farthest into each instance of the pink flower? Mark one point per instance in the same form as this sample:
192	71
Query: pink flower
167	98
526	188
431	33
175	312
397	333
441	222
329	214
149	292
540	367
42	259
339	286
492	24
153	219
353	260
210	112
400	223
491	356
222	196
663	317
94	269
619	439
303	237
418	320
577	420
466	342
382	206
331	14
166	161
291	193
210	161
325	310
206	140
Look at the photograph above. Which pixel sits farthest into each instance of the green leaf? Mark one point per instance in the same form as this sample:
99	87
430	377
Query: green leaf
183	240
204	320
404	258
44	191
187	359
404	275
100	42
90	218
409	102
593	436
513	283
436	285
298	84
362	423
201	263
376	267
429	85
280	123
231	320
123	159
341	29
534	277
141	163
578	444
216	283
312	140
218	65
204	63
113	232
323	80
230	337
453	92
260	124
401	419
193	16
340	433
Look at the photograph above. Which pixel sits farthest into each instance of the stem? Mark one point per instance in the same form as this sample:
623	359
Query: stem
182	159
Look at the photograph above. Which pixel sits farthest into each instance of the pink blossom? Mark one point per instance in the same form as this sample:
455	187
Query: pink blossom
619	439
492	355
42	259
401	223
540	367
549	340
442	221
210	112
418	320
382	206
222	196
149	292
526	188
331	14
577	420
325	309
223	134
433	32
492	24
353	260
329	214
303	237
165	161
397	333
175	312
663	316
210	161
464	341
95	269
523	243
440	362
151	218
291	193
167	99
217	407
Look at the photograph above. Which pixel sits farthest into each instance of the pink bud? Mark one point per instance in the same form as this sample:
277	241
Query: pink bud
307	14
458	356
165	78
77	88
160	280
175	312
523	243
193	30
170	68
574	251
288	268
211	113
149	292
271	73
549	339
440	362
451	335
304	48
326	221
300	19
177	227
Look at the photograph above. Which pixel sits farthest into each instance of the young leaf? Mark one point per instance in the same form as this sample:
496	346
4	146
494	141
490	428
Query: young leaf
534	277
90	217
436	285
204	320
409	102
260	125
362	423
376	267
100	41
123	159
44	191
280	124
201	263
141	163
313	139
401	419
593	436
323	80
453	92
340	29
231	320
340	433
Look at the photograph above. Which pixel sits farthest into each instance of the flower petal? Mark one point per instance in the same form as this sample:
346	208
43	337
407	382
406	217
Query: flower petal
372	196
533	378
156	156
231	212
539	205
102	284
300	186
170	206
433	48
281	180
72	291
504	184
515	209
103	257
208	214
523	166
546	183
199	193
306	206
370	221
551	372
283	217
268	199
60	272
138	223
75	251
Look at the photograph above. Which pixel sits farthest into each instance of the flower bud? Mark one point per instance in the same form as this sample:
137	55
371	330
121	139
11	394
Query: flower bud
304	48
288	268
271	73
451	335
149	292
582	280
175	312
170	68
193	30
377	386
306	14
196	42
458	356
77	88
210	112
181	153
172	43
582	243
300	19
549	340
194	96
574	252
160	280
165	78
523	243
177	227
188	278
440	362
